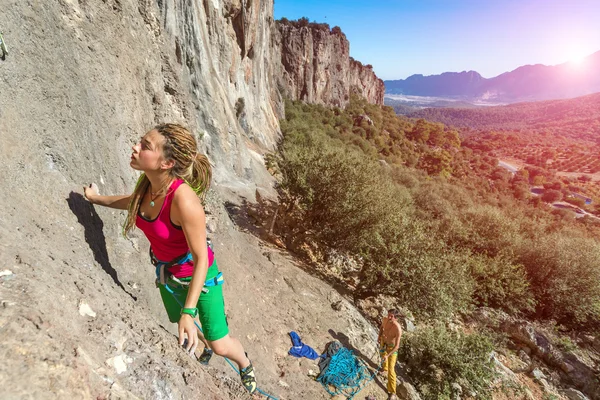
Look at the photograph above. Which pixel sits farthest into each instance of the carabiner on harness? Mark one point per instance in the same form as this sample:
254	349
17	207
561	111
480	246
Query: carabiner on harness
163	275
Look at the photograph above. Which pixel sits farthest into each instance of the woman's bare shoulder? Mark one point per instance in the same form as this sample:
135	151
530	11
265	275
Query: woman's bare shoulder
185	197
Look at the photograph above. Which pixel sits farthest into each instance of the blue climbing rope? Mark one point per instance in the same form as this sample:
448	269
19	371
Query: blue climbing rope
226	359
346	373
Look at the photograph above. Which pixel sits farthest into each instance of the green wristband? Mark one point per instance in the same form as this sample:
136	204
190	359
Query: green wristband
190	311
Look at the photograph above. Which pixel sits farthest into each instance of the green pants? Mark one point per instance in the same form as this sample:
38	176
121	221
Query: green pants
211	306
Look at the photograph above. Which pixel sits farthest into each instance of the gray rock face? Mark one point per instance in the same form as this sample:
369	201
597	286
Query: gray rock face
537	374
317	67
572	368
221	51
406	391
83	81
573	394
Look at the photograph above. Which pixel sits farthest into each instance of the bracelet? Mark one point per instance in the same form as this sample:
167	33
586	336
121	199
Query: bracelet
193	312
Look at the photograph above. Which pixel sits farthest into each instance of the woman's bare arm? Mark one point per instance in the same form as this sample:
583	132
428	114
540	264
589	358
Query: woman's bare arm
120	202
187	211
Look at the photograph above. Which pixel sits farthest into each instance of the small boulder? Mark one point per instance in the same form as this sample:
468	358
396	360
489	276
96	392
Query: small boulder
408	325
573	394
524	355
456	390
337	305
537	374
119	363
86	310
359	119
407	391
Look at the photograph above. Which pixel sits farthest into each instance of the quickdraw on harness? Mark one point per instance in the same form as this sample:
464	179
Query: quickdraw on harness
164	277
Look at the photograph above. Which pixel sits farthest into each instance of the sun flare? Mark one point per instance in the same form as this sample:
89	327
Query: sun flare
577	58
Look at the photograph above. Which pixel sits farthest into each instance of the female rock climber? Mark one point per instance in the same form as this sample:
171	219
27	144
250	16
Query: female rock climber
167	206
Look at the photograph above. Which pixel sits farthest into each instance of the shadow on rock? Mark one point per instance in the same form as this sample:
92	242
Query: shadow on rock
266	220
248	217
94	237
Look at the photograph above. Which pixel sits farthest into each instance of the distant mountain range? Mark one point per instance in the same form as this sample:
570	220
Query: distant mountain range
526	83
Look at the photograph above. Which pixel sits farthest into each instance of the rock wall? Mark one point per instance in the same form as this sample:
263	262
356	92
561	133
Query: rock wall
317	67
83	80
222	52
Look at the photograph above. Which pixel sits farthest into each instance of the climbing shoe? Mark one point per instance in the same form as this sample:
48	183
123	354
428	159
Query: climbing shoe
205	356
248	378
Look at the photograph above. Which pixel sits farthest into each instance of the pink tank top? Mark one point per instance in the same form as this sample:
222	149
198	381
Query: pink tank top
167	240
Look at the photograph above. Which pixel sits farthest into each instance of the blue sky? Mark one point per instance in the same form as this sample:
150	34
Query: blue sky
404	37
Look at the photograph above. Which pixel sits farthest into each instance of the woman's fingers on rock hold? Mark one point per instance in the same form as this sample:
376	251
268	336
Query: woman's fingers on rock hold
192	341
90	190
181	335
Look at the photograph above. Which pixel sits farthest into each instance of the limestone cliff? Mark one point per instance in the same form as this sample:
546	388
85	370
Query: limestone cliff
79	314
317	67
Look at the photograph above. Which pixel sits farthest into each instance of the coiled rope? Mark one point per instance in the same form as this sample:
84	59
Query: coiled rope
346	373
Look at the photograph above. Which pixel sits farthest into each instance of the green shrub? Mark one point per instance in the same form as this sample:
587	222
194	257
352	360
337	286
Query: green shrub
550	196
502	284
343	198
564	271
487	230
426	277
565	344
436	357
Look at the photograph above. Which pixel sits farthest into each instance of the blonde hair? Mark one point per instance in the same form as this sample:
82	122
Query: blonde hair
194	168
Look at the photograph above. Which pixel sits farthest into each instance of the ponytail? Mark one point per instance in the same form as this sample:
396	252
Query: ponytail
200	175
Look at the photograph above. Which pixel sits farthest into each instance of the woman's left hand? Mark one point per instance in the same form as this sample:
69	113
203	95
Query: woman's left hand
187	327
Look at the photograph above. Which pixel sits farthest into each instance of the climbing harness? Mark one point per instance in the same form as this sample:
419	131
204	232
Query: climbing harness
3	46
162	275
346	373
165	278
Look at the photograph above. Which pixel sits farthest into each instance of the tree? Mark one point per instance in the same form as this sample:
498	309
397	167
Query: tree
302	22
420	131
564	272
556	185
436	358
521	191
453	138
436	163
437	138
539	180
550	196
